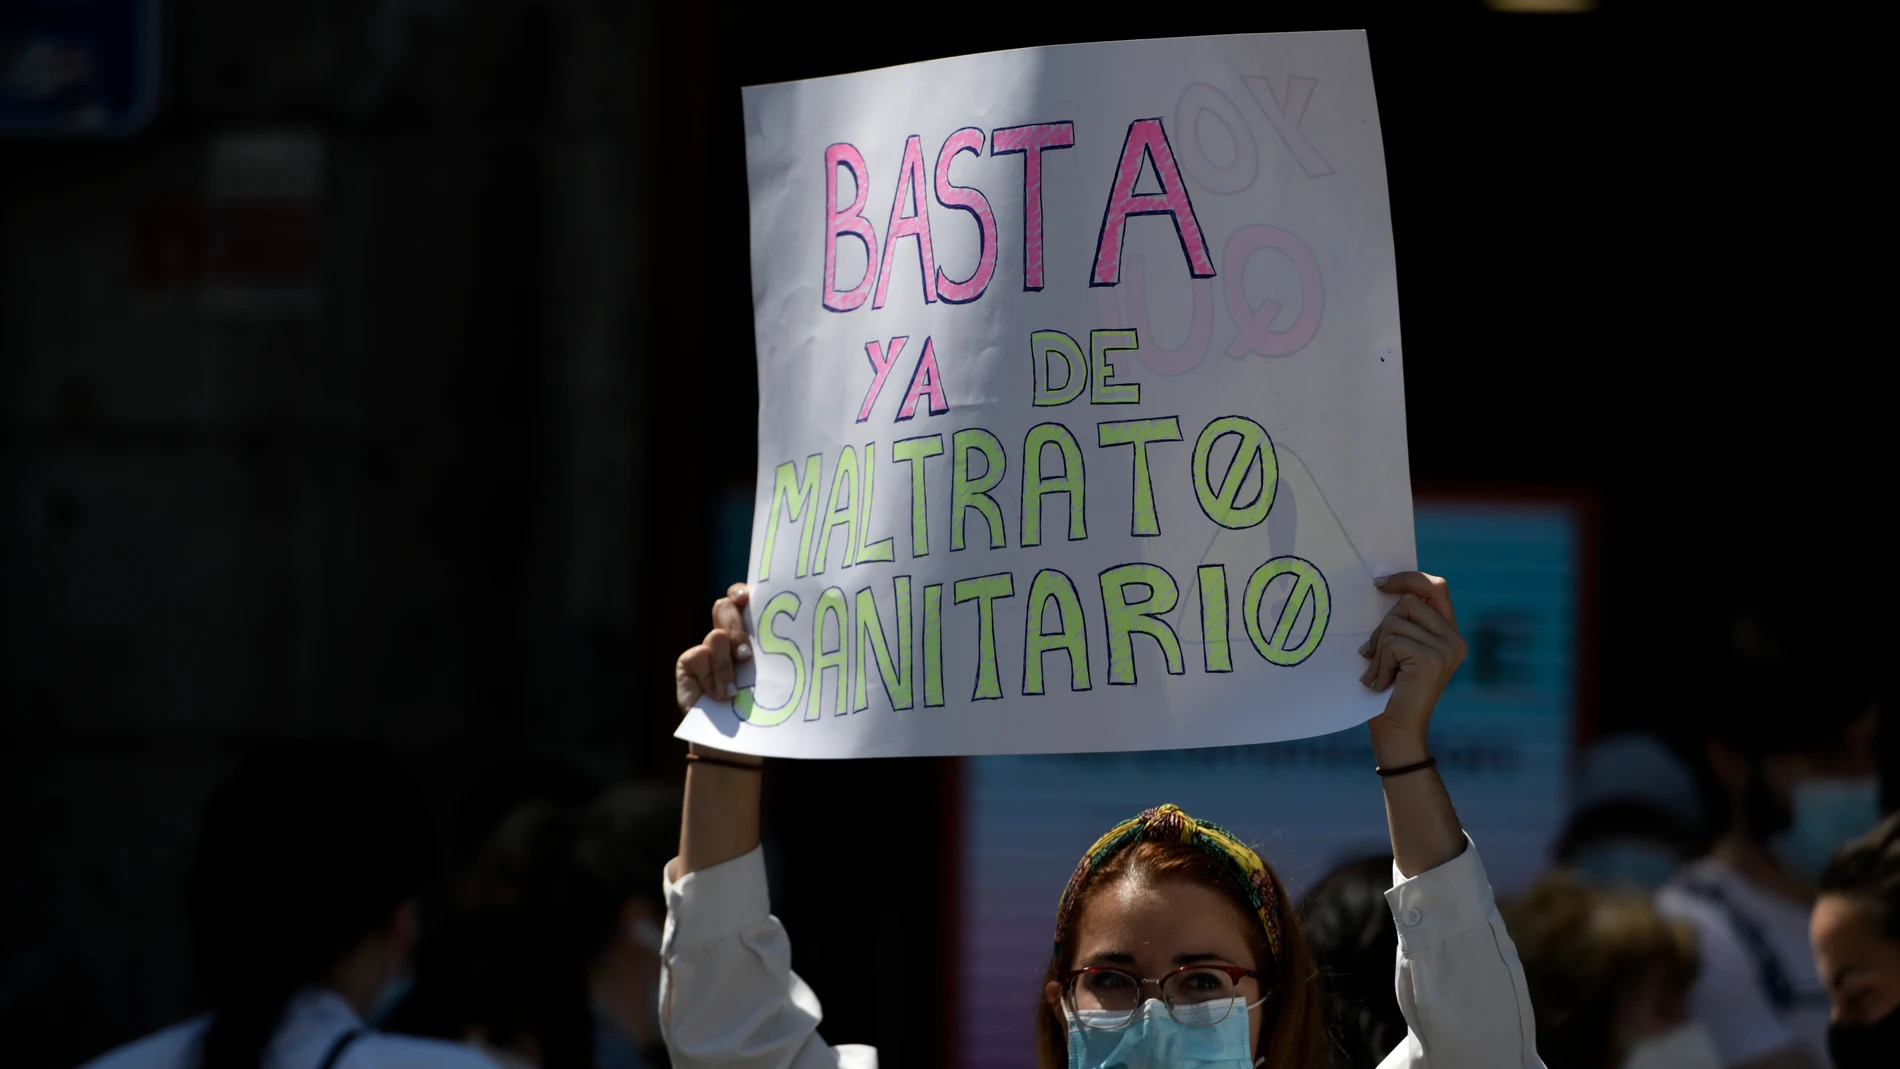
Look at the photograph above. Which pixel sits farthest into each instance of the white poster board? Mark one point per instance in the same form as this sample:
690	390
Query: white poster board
1081	416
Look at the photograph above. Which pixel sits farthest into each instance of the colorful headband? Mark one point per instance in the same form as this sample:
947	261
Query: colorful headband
1168	824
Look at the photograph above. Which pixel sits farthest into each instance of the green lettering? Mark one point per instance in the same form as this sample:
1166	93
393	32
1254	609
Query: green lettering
984	590
1139	433
933	645
831	605
784	603
879	550
1035	484
912	451
1222	505
1044	344
1308	585
1107	391
840	513
1073	637
789	487
871	631
1216	656
967	493
1126	618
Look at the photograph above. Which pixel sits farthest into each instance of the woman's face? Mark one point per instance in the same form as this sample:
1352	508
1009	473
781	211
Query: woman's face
1858	962
1153	927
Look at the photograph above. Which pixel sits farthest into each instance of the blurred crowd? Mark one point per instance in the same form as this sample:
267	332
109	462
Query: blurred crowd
1731	899
1727	900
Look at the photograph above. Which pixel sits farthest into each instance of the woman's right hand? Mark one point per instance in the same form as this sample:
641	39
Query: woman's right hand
721	819
710	668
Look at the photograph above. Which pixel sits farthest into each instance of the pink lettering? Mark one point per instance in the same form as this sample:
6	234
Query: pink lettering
1286	118
1199	99
881	367
1031	141
926	381
848	221
910	218
1148	141
1158	358
1254	322
966	199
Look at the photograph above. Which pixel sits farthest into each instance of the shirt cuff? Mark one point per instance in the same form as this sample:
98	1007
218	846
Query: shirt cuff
1440	904
709	904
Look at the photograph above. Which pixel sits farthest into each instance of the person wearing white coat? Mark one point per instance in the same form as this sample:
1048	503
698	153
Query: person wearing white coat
1174	944
302	913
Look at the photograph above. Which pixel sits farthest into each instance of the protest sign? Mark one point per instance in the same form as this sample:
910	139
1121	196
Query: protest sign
1081	419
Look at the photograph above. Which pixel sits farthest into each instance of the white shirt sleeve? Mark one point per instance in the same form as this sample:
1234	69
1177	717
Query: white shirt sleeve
728	994
1459	983
1727	997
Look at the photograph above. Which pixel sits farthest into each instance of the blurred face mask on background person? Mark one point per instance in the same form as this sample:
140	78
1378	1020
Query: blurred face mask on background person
1864	1046
1155	1040
1823	814
1637	863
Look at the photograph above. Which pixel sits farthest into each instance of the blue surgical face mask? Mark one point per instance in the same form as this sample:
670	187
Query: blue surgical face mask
1155	1040
1625	863
1826	813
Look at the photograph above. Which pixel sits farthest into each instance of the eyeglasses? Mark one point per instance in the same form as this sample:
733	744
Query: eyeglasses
1199	996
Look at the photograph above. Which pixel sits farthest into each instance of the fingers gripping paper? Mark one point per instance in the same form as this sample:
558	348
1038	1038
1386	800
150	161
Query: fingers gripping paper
1081	418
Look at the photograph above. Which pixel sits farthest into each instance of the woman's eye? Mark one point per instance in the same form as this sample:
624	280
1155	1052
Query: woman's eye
1105	981
1205	980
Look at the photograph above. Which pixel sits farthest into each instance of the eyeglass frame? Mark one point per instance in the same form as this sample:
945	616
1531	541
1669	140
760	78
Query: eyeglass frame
1234	973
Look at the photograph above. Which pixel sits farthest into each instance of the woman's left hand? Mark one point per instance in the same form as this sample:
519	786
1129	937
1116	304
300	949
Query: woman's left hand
1414	651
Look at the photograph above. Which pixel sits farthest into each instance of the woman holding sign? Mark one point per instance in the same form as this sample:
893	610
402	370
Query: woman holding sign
1174	943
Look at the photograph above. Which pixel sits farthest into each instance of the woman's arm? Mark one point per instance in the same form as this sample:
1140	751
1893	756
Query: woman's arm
729	997
1414	651
1459	983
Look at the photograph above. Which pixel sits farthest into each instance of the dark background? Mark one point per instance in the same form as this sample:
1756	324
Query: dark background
459	493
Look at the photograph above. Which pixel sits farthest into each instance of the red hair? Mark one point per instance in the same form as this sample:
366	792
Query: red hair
1293	1033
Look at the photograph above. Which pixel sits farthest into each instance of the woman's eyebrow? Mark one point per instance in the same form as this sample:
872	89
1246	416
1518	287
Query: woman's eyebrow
1196	959
1116	957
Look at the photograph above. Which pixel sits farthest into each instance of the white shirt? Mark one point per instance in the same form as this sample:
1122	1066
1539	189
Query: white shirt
733	1001
313	1021
1730	996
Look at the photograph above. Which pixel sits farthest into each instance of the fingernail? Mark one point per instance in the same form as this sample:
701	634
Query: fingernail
744	650
1380	581
1365	648
743	589
727	690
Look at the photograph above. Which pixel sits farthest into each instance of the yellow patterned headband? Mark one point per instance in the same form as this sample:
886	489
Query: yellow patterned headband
1169	824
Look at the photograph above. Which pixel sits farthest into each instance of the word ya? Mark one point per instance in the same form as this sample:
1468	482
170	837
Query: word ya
1285	608
1145	143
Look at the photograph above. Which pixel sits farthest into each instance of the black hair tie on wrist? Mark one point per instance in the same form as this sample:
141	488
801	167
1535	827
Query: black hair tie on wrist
1417	766
723	763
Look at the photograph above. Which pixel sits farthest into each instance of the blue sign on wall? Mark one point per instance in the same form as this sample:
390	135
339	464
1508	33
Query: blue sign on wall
78	68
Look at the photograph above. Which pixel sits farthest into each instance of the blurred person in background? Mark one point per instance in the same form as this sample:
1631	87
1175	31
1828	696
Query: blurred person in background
605	913
488	981
1348	926
1609	979
499	816
302	908
1791	748
1635	814
1856	933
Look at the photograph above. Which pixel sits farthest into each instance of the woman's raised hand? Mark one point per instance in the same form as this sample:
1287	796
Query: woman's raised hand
1414	652
708	669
